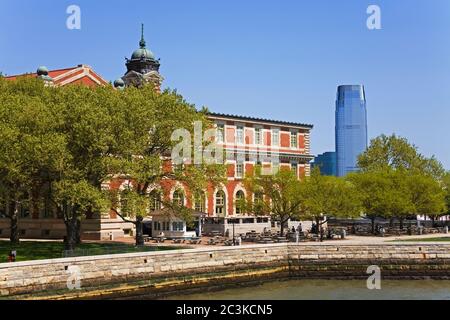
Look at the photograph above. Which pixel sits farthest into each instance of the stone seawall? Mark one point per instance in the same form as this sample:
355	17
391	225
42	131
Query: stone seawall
156	273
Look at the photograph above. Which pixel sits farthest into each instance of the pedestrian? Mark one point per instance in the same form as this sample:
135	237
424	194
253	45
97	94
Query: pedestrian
12	256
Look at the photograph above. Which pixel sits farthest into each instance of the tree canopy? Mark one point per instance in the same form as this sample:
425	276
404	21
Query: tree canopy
284	196
397	153
60	145
396	181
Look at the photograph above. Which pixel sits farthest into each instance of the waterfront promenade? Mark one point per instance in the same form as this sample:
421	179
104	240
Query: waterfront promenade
350	240
162	273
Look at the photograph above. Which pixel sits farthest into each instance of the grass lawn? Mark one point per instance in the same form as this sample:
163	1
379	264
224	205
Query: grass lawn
30	250
439	239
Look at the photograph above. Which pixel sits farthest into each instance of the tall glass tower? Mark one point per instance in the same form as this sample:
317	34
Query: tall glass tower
351	127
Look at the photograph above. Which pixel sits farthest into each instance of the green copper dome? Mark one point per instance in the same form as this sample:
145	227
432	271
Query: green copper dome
42	71
142	53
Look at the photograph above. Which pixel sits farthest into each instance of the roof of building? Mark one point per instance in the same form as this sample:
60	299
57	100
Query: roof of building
80	74
270	121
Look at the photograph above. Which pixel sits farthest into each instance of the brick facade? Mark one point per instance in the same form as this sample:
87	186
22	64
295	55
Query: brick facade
246	153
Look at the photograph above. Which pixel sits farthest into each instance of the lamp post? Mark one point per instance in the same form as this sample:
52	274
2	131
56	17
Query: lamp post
234	239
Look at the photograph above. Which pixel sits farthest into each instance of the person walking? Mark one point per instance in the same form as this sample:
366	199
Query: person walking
12	256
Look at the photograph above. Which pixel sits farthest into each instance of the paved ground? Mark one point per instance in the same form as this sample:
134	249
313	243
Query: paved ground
350	240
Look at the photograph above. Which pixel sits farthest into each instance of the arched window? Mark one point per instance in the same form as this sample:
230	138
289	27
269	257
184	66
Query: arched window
199	201
240	196
155	200
220	203
178	198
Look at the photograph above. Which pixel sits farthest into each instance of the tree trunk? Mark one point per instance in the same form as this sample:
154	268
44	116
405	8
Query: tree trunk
391	222
71	234
139	231
401	223
35	193
318	226
78	231
14	222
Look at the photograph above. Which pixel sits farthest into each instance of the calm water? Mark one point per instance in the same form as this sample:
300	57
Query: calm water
331	290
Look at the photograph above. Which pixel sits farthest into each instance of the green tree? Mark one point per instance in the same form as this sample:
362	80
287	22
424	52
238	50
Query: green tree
30	147
375	189
75	198
446	183
143	122
329	196
53	137
408	172
277	195
428	196
397	153
84	121
385	193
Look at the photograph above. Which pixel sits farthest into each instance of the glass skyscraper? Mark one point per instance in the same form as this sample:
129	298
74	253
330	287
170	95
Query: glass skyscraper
351	127
326	162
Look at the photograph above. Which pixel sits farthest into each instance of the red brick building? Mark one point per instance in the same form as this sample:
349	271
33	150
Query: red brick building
246	142
81	74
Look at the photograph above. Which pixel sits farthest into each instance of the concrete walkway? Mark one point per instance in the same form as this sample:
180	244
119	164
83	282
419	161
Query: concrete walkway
350	240
377	240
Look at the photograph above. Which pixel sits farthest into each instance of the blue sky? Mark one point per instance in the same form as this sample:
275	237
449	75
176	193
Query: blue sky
276	59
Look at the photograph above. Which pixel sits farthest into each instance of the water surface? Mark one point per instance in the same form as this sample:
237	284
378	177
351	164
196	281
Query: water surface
331	290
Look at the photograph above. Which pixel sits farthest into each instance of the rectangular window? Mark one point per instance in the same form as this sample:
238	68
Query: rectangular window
199	202
240	135
294	168
294	140
276	137
239	170
258	136
220	133
177	226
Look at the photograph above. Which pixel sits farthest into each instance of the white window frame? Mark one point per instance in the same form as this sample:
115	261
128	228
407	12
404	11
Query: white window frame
275	132
294	145
295	164
240	128
241	175
220	138
222	205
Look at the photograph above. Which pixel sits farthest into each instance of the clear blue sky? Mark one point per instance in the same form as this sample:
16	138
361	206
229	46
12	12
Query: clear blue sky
276	59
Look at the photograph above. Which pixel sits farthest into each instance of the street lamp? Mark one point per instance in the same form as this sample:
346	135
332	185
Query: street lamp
234	239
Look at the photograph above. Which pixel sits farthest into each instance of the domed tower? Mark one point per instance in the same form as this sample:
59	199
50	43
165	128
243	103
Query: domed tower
143	67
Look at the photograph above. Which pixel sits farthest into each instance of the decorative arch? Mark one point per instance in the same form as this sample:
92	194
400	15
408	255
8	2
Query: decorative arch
178	188
239	191
226	198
